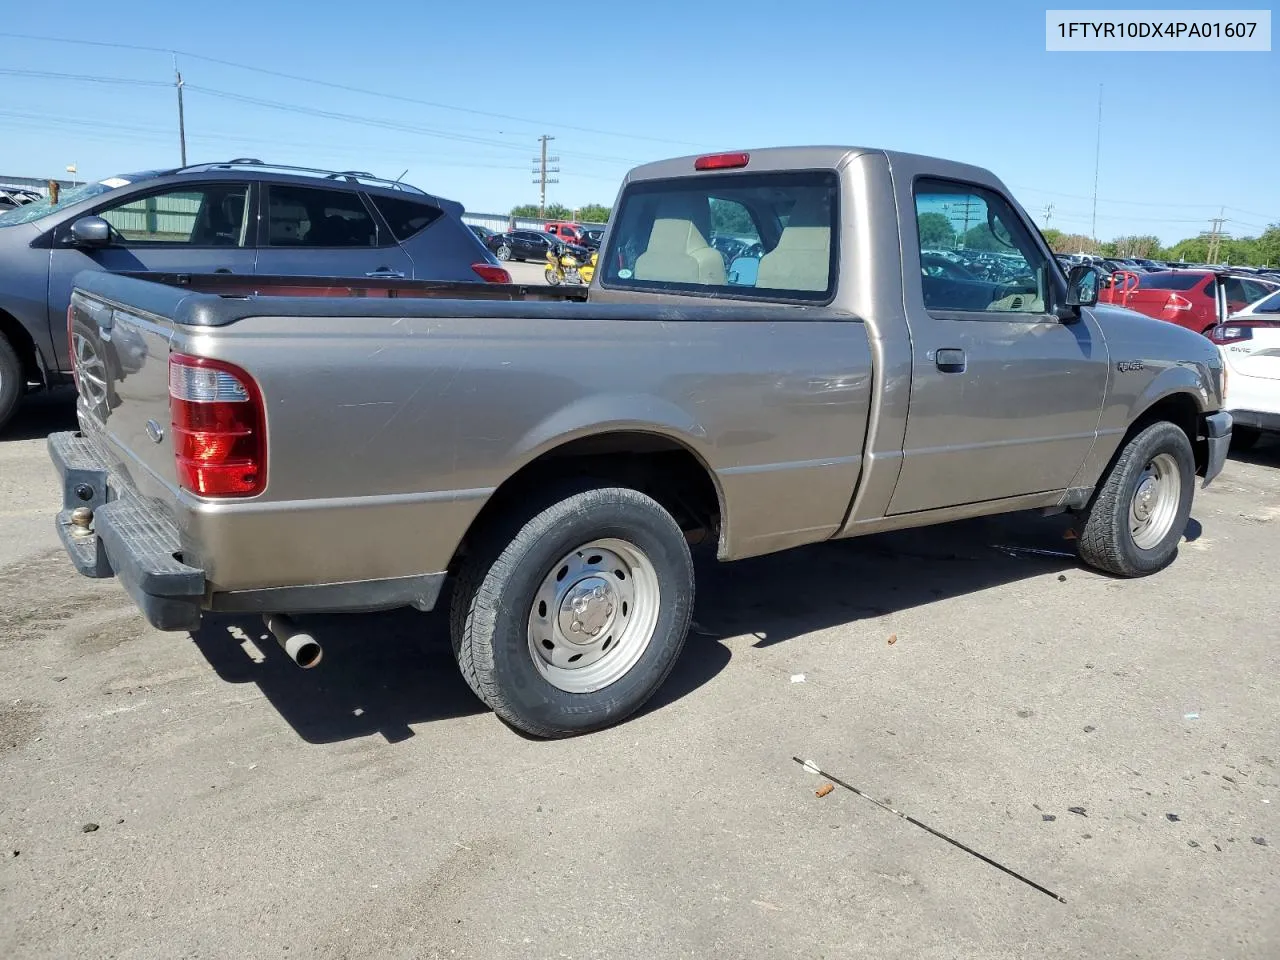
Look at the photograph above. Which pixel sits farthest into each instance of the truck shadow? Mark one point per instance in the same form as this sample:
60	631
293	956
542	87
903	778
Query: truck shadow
786	595
383	673
42	414
380	673
1266	453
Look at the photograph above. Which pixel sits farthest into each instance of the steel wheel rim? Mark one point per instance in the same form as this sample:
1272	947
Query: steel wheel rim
1154	504
504	253
594	615
90	369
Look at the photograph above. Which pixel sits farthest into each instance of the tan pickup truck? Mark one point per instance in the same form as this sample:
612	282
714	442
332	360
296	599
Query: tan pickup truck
779	347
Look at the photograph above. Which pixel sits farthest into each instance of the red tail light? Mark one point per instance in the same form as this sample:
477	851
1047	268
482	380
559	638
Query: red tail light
721	161
490	273
219	428
1176	302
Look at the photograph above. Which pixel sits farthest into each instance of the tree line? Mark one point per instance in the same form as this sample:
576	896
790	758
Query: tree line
937	231
591	213
1260	251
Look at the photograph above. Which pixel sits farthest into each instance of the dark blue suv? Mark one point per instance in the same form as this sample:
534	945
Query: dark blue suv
243	216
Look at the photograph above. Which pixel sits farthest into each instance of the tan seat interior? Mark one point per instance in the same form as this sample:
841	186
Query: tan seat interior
678	251
802	258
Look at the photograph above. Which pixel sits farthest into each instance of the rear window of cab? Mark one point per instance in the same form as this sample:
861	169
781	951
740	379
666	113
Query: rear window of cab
766	236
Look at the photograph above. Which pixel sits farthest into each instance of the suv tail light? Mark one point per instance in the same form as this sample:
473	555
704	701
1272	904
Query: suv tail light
219	428
1176	302
490	273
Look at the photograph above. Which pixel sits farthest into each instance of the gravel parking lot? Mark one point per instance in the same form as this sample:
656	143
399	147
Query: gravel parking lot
1113	741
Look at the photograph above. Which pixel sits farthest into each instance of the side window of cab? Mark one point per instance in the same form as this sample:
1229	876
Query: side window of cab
976	254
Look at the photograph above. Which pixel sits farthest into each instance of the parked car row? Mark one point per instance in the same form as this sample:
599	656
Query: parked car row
531	245
11	197
239	217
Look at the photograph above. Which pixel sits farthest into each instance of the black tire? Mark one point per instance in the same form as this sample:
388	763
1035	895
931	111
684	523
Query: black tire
503	252
1243	438
553	277
1107	542
12	382
495	592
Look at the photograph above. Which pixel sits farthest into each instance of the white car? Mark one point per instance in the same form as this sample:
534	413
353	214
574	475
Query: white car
1250	344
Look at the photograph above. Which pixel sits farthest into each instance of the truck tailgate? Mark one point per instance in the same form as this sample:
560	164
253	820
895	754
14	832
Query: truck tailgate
121	362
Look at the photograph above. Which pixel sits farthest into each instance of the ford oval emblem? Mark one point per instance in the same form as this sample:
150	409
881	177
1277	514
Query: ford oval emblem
155	431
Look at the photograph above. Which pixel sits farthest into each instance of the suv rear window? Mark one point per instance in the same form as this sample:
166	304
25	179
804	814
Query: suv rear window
769	236
1170	281
406	217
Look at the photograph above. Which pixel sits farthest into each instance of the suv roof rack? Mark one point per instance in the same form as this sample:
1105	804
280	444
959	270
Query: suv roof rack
352	176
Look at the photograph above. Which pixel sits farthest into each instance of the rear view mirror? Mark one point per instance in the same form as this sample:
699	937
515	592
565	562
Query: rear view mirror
1082	286
91	232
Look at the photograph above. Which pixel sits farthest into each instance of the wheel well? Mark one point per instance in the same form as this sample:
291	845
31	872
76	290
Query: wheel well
23	345
656	465
1181	410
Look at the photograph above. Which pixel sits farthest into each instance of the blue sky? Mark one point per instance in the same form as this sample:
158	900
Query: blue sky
618	84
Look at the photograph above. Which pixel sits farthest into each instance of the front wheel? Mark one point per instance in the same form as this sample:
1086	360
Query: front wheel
1140	511
503	252
553	277
569	621
12	382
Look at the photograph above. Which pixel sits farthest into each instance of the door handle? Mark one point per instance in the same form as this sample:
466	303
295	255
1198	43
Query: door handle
386	272
950	360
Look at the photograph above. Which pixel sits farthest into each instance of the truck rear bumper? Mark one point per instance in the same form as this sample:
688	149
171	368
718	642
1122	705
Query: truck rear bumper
126	537
134	539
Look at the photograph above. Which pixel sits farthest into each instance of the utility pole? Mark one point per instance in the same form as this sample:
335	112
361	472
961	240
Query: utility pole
967	203
541	174
1097	156
1048	214
1215	236
182	123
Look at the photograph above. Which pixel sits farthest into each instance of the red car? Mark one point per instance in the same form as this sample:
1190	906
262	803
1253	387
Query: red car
1185	297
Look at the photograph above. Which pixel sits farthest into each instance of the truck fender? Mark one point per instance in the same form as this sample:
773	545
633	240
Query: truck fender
598	415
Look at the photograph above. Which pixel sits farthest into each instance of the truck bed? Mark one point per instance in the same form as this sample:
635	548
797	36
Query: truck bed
391	421
260	285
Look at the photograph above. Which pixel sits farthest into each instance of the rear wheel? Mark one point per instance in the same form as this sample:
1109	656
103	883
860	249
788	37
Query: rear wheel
1140	511
12	382
569	620
553	276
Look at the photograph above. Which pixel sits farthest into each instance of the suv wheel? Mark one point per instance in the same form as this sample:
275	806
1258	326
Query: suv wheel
12	383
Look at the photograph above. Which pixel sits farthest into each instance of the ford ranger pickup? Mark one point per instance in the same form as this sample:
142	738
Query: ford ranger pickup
779	347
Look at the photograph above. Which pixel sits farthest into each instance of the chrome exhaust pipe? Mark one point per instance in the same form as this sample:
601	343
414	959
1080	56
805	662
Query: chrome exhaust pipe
302	648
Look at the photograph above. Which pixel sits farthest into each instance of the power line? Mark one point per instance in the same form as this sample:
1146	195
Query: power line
382	123
346	87
1140	203
83	77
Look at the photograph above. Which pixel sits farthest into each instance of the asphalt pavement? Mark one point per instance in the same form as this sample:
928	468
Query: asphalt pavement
1113	742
